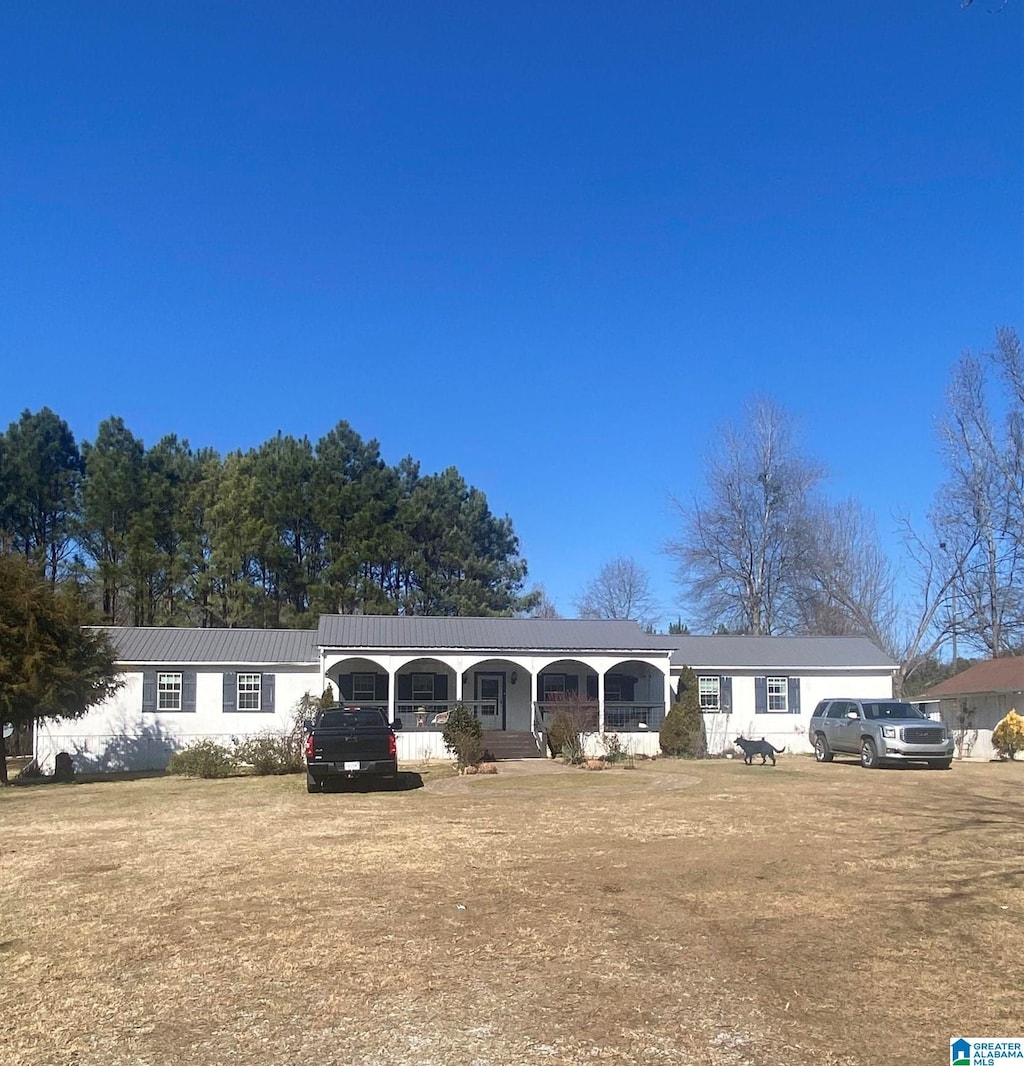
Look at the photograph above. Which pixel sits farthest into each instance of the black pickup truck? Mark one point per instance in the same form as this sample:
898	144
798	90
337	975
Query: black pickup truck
349	742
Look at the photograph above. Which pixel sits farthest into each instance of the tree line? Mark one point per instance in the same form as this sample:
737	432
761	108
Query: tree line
269	537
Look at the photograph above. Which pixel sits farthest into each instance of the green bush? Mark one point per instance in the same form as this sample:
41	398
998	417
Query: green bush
204	758
463	736
682	732
272	753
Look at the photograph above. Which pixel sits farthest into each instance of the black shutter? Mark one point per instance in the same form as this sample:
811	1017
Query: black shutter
267	692
760	695
725	694
188	691
230	692
440	686
628	688
149	690
380	687
572	684
794	695
345	687
405	688
591	686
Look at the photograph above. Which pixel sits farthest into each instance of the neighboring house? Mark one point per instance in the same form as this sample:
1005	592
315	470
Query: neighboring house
769	686
183	685
972	702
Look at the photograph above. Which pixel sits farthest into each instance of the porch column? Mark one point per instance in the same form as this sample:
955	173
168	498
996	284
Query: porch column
458	683
600	702
666	686
392	674
534	716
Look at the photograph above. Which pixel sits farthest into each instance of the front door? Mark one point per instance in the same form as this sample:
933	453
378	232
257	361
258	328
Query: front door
490	700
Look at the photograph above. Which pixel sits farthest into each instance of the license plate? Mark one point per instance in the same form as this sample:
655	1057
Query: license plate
352	766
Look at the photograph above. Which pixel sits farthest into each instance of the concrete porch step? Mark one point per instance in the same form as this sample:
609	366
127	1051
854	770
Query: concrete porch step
507	745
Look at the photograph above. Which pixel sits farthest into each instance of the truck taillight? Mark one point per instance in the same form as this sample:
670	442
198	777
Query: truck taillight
309	746
392	746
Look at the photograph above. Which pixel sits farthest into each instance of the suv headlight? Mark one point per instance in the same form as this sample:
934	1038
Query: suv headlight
889	731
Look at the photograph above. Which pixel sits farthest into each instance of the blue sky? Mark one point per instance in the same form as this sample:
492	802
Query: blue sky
554	245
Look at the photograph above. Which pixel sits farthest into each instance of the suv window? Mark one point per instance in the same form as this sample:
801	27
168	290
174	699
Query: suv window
874	711
839	709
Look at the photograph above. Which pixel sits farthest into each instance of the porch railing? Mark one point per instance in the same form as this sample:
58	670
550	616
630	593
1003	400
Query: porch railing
618	717
432	715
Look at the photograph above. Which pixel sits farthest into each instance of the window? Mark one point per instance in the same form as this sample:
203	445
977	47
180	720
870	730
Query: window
778	688
364	688
422	688
710	693
249	686
553	686
168	692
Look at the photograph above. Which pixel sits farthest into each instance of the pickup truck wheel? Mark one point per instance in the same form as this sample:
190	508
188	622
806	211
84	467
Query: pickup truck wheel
940	764
868	754
312	785
822	752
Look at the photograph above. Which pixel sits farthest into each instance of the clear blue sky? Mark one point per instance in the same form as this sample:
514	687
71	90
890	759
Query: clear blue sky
555	245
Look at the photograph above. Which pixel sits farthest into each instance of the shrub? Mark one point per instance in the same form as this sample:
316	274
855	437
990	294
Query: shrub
572	720
682	732
204	758
272	753
463	736
1008	735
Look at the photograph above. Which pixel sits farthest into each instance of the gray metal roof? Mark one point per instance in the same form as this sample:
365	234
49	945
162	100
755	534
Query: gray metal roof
173	645
776	653
482	634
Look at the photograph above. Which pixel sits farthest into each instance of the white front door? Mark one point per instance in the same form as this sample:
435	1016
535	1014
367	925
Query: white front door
490	700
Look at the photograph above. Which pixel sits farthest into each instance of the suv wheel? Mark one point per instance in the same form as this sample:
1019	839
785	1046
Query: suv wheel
868	754
822	752
312	785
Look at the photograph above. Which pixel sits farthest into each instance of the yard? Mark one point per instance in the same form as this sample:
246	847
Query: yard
705	913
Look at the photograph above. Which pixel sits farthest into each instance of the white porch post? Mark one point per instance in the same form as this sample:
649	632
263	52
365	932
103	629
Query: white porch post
666	686
392	675
534	716
600	702
458	682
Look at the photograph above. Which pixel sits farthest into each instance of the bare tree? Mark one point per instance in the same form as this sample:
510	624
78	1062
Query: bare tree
978	516
542	607
622	589
746	541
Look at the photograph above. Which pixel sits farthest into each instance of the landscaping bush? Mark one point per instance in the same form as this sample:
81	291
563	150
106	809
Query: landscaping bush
572	721
682	732
463	736
1008	735
272	753
204	758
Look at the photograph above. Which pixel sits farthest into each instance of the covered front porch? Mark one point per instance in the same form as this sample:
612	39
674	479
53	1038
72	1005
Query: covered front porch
509	695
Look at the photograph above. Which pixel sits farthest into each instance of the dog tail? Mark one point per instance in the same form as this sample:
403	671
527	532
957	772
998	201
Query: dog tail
778	751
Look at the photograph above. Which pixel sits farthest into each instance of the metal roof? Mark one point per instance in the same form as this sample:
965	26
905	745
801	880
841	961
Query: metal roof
776	653
173	645
482	634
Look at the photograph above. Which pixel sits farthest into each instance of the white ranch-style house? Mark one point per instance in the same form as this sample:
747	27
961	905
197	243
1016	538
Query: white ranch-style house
183	685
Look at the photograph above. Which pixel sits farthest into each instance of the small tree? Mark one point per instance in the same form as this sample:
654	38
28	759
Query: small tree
463	736
573	720
682	732
51	664
326	700
1008	735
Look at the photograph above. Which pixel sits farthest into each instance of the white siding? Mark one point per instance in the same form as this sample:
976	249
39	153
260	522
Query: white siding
785	730
118	735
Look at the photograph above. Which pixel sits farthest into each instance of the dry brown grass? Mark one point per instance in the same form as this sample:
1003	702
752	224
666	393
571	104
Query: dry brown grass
710	914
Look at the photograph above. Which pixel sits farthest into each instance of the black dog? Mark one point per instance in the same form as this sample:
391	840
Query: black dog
757	747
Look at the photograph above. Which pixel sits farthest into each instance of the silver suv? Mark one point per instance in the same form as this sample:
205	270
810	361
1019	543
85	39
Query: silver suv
879	731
